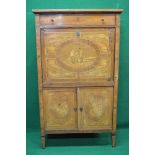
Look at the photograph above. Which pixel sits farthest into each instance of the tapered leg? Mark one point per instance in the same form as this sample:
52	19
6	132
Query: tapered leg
113	140
43	138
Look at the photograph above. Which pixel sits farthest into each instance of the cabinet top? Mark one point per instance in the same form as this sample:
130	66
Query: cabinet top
43	11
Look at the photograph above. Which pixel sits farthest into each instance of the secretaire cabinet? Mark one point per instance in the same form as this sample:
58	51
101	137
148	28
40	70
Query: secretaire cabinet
78	61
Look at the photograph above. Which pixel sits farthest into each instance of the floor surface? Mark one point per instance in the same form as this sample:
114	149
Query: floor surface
78	144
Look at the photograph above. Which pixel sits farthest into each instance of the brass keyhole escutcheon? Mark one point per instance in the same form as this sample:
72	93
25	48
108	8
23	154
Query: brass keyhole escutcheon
77	33
81	109
77	19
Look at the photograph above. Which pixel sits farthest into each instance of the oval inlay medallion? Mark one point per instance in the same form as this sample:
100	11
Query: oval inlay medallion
77	55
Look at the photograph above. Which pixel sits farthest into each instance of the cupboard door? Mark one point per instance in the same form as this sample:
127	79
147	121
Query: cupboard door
60	109
95	108
78	55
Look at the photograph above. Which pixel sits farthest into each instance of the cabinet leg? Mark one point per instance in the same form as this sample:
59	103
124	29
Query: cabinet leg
113	140
43	138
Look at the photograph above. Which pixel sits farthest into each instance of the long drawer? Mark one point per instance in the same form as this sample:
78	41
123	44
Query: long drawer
77	20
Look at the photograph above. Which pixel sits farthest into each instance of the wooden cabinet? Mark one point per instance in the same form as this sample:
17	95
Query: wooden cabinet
78	58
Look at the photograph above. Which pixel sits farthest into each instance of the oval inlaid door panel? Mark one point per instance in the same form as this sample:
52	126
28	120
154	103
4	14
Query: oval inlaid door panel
77	59
96	104
59	108
78	55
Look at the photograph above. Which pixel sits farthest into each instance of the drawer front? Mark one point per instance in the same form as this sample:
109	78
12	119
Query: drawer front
59	109
78	55
77	20
95	106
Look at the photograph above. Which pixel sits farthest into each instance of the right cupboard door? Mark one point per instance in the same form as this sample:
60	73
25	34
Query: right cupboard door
95	108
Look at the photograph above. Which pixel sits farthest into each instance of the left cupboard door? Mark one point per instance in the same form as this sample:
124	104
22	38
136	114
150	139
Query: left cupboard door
60	109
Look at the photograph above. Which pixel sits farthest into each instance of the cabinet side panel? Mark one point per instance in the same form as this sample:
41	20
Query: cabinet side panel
116	71
38	46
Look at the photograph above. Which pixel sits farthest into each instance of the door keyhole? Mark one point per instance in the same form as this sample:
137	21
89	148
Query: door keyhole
78	34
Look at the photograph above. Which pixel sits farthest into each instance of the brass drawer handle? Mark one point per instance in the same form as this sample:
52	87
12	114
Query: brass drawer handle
102	20
52	20
81	109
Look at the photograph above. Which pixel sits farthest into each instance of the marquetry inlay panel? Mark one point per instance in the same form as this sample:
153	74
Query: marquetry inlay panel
75	55
97	104
59	109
